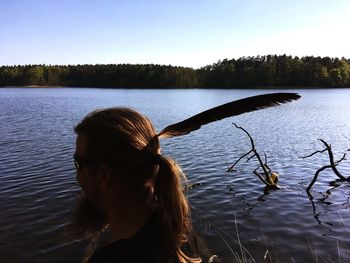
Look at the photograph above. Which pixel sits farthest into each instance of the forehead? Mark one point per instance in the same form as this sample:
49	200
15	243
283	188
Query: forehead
80	145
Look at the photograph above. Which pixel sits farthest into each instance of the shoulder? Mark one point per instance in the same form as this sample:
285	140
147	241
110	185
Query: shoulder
131	256
147	246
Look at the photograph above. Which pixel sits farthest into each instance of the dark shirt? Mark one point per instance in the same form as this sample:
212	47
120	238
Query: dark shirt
147	246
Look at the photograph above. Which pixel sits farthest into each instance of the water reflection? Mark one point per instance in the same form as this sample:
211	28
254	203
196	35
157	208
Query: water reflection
319	201
250	205
323	201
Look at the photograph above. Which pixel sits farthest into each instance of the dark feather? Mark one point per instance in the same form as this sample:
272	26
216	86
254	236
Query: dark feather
227	110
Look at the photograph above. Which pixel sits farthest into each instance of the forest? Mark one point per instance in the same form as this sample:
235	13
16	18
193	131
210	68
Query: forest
245	72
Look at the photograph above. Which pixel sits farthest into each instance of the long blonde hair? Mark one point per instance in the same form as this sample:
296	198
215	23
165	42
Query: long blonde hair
124	139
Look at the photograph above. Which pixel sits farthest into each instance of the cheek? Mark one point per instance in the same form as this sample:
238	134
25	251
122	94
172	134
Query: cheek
83	181
79	179
86	183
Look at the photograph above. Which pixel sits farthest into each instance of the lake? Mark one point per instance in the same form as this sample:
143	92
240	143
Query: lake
37	175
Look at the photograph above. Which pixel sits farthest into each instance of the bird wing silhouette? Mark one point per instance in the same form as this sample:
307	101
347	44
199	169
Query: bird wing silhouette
233	108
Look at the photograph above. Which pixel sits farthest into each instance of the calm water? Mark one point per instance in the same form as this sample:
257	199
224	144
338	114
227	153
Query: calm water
37	176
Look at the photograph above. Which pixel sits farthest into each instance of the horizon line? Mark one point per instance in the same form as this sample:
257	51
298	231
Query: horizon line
158	64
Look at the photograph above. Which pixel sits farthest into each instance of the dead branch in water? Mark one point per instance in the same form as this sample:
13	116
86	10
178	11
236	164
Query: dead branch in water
268	177
333	164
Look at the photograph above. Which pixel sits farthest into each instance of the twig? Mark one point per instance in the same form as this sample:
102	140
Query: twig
316	175
267	167
341	159
307	156
333	164
260	177
251	157
263	165
254	150
331	159
232	166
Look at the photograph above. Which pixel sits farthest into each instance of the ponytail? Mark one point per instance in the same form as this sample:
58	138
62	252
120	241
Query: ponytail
123	139
174	207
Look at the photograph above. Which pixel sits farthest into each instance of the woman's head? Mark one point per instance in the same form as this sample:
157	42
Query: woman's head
114	157
122	140
125	143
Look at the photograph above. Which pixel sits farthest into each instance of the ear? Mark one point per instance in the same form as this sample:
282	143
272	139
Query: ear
104	178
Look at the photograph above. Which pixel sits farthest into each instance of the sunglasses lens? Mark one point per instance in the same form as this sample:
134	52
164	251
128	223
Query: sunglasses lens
77	165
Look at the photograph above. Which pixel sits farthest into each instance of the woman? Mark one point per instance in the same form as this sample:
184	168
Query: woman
128	185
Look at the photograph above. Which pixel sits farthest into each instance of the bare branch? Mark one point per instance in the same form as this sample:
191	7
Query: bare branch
260	177
316	175
251	157
333	164
263	165
307	156
331	159
341	159
266	165
230	169
268	168
250	137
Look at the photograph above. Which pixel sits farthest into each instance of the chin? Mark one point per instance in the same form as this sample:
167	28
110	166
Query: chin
88	221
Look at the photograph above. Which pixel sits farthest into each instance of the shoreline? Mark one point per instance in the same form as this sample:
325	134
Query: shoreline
34	86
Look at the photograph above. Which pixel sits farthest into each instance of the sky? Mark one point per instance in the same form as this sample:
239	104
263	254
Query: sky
191	33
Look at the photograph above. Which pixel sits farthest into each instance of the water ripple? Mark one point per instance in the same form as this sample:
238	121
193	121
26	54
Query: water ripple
37	193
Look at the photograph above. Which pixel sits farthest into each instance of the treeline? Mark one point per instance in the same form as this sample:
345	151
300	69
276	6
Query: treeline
104	76
245	72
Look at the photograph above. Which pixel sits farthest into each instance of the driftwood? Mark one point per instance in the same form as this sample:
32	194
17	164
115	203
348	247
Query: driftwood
332	164
268	177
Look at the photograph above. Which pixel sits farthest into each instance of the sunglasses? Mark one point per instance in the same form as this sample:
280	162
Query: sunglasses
80	161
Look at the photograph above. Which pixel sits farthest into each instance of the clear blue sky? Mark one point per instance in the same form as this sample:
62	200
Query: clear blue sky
178	32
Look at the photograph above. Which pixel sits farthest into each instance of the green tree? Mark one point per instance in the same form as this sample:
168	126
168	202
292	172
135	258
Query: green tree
345	73
34	75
